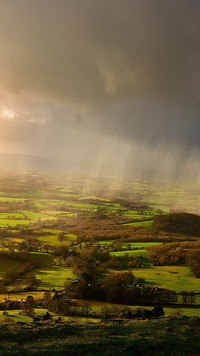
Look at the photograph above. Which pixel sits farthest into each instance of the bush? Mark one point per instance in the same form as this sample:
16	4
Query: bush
8	320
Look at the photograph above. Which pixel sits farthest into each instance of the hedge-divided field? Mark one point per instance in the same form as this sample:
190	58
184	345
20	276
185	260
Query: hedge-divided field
41	213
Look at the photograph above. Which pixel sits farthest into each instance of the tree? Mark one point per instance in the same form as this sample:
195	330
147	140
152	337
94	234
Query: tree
28	306
47	316
47	297
158	311
10	277
193	261
115	285
100	213
32	280
61	236
188	297
86	309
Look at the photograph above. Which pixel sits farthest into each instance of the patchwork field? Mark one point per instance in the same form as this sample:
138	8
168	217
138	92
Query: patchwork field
51	222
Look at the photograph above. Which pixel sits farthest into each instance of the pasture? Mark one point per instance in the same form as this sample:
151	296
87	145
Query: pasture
53	240
140	245
144	223
131	253
169	311
20	295
8	263
176	278
11	223
128	245
54	277
13	317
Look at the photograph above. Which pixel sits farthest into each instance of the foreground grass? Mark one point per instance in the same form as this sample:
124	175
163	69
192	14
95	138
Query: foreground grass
166	336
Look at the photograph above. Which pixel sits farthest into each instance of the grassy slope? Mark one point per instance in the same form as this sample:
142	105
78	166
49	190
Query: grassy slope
54	277
167	336
8	264
175	278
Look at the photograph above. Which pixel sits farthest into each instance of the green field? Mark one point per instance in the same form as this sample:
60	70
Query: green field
146	224
129	245
35	216
13	239
103	242
13	222
140	245
59	213
7	264
14	316
54	277
12	215
20	295
177	278
23	218
99	306
52	238
140	214
41	258
131	253
11	200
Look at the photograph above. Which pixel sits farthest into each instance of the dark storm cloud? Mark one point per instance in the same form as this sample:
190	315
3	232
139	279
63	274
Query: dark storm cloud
92	50
103	74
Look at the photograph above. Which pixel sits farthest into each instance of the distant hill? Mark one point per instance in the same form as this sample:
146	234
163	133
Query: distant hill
20	161
181	223
16	161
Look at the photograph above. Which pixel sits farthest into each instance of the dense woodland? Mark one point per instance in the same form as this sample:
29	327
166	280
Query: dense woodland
181	223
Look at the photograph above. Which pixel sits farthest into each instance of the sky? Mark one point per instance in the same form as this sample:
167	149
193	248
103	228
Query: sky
106	87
